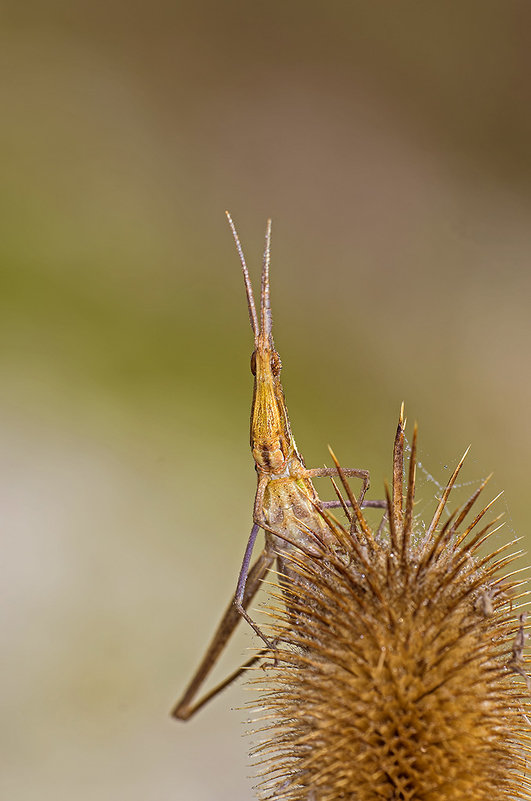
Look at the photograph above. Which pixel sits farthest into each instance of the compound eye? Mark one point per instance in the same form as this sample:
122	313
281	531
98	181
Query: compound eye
253	362
276	364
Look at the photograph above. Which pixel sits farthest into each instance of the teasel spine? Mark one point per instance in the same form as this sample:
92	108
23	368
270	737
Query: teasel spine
400	671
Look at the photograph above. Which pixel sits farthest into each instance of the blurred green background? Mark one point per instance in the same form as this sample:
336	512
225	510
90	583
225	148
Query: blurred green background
390	142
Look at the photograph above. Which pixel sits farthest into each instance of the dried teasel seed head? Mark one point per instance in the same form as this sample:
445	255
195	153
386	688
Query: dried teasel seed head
400	671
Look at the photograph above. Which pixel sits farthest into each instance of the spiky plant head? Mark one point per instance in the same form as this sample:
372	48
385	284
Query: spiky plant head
399	672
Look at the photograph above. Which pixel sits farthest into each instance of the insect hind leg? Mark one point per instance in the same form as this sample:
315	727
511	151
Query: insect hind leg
186	707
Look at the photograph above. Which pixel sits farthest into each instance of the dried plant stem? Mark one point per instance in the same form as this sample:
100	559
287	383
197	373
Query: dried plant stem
400	671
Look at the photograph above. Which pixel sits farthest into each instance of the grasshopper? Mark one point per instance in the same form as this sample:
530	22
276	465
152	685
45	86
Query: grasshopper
286	505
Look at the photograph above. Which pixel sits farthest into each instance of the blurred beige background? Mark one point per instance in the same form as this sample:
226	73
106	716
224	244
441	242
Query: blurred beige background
391	145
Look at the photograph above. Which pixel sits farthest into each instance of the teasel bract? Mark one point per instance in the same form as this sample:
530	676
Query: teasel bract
399	671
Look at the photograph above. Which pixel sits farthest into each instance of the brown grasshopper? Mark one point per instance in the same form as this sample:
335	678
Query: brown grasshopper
286	505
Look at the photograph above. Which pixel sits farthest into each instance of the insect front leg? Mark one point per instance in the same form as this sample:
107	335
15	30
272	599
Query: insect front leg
258	515
317	472
242	584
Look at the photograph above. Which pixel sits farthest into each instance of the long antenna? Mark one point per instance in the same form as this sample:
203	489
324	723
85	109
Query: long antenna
253	317
265	302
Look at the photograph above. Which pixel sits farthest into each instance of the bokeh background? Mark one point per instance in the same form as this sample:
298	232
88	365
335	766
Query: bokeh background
390	142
